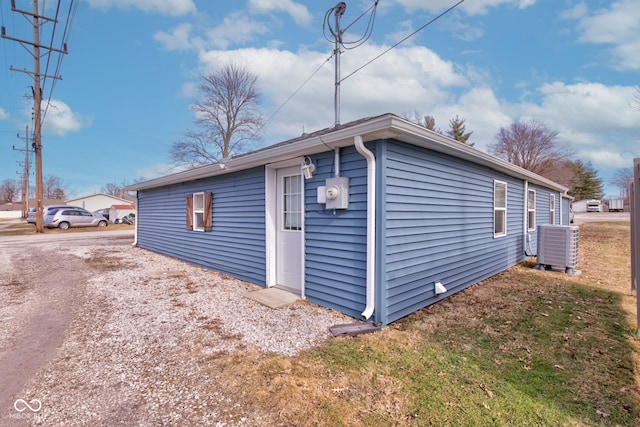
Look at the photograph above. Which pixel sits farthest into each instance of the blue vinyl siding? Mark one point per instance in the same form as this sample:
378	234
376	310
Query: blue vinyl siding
542	213
335	245
436	224
235	246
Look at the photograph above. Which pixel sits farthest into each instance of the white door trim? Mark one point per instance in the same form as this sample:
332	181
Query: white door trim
271	215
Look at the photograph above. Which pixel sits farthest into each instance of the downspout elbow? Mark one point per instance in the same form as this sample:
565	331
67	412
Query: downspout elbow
371	224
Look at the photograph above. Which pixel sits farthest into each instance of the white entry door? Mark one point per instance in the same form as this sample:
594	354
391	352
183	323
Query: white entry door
289	223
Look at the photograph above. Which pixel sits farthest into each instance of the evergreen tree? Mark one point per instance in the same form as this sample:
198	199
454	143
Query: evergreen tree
588	184
430	123
457	131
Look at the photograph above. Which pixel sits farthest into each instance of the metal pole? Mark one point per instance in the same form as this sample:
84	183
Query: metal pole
339	11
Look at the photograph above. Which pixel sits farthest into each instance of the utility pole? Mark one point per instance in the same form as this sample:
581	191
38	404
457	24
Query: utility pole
37	95
25	175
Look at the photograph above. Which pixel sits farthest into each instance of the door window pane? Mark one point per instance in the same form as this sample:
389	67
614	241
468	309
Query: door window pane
292	198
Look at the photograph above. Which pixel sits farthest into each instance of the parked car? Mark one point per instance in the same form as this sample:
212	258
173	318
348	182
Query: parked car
64	218
103	212
31	215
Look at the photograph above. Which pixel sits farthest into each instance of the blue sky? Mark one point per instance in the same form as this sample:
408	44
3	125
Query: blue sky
132	67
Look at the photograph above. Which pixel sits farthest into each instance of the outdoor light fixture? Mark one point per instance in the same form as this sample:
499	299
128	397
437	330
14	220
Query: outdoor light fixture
308	168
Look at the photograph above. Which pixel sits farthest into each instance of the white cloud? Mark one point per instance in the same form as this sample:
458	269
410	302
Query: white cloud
298	12
3	114
400	81
179	38
236	28
163	7
60	120
618	26
596	121
157	170
475	7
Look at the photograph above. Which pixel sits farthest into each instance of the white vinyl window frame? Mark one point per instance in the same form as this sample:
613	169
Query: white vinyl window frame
198	211
531	210
552	209
499	208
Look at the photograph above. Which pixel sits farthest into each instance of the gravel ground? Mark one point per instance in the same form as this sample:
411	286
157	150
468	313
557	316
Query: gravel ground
123	340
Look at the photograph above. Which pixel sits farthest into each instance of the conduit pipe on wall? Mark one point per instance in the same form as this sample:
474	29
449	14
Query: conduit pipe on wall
371	224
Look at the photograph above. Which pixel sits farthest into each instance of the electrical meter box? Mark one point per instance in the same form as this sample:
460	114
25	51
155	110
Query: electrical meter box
337	193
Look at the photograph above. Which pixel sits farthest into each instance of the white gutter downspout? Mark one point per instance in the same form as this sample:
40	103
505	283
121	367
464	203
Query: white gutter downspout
371	224
135	227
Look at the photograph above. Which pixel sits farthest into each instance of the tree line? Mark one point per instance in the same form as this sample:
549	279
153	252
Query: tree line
532	145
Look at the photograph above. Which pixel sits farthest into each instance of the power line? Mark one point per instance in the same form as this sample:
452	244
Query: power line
297	90
405	39
65	35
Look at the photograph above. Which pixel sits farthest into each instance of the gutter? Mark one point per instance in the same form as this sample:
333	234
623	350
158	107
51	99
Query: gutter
371	225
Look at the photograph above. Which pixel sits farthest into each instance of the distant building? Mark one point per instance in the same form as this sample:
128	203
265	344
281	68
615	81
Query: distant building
98	201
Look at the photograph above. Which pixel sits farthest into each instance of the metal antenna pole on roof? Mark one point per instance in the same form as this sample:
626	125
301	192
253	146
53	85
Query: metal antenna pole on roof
338	12
336	38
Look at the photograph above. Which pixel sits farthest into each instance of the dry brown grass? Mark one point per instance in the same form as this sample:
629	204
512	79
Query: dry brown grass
463	360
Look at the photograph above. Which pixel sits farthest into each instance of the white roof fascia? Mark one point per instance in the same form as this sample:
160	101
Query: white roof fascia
382	127
374	128
423	137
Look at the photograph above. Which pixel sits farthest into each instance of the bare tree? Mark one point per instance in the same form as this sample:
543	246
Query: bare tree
562	172
621	179
112	189
9	190
531	145
227	117
53	188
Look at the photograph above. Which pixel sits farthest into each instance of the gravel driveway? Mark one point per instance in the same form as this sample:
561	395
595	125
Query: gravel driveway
94	331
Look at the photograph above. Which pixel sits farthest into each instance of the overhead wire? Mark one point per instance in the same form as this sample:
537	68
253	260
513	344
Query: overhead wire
404	39
297	90
53	34
65	34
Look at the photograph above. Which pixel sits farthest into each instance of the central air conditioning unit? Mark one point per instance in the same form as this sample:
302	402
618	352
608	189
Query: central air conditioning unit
558	246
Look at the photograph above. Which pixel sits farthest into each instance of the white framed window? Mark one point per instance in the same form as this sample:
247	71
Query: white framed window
552	208
499	208
531	210
292	198
198	211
